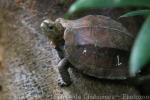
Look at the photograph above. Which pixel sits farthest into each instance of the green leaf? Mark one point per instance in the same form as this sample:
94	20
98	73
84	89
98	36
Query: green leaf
88	4
140	54
135	13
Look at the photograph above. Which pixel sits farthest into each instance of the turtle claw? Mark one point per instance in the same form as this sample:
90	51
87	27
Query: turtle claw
61	83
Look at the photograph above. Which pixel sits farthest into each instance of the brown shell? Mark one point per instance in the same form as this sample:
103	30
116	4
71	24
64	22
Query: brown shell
94	44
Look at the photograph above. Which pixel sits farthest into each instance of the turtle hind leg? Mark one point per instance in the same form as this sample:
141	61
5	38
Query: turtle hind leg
63	70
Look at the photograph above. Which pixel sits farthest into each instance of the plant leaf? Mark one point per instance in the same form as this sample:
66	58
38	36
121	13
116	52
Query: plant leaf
88	4
135	13
140	54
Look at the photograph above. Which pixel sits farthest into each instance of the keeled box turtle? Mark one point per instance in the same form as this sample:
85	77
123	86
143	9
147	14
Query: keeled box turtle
96	45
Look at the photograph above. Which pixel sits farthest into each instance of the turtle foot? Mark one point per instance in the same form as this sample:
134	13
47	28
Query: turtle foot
61	83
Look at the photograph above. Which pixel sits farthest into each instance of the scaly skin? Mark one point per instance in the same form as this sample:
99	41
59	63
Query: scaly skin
55	32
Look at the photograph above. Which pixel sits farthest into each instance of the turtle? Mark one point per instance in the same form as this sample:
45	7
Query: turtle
95	45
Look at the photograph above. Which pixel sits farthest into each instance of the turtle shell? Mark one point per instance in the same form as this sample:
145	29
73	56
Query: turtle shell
98	46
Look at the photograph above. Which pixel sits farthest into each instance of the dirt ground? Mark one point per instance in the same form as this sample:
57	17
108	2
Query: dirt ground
30	72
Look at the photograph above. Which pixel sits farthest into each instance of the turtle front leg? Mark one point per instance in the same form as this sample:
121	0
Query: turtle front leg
63	70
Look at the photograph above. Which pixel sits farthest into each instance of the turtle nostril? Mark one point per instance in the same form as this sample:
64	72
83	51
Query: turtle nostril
50	27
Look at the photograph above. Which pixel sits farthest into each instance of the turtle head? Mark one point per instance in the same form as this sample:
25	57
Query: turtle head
51	29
